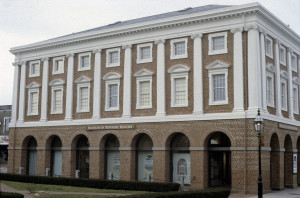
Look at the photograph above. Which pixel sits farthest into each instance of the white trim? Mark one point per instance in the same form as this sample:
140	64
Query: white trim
80	68
83	79
33	85
107	83
284	54
54	71
56	82
53	89
143	73
172	48
112	76
271	42
79	86
294	63
138	48
30	68
138	81
4	125
296	110
108	51
282	81
271	75
33	90
211	51
270	68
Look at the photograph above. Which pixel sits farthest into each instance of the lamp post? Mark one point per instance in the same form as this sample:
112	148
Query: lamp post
259	126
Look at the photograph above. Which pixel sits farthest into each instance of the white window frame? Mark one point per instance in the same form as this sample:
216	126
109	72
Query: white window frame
53	89
284	54
79	86
54	71
4	124
271	43
138	96
294	63
107	107
272	89
172	48
30	68
285	98
139	47
108	51
210	41
80	68
29	111
296	108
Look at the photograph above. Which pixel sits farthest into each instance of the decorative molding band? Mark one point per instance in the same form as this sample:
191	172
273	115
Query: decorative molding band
196	35
237	29
251	27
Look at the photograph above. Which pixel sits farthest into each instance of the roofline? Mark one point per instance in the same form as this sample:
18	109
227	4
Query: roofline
157	24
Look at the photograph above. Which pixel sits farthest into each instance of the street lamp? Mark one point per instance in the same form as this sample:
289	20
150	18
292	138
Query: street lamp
259	126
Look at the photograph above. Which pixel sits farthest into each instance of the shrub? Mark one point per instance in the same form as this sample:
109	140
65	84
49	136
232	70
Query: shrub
10	195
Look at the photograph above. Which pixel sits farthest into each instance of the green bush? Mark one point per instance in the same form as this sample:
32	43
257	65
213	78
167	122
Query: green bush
10	195
93	183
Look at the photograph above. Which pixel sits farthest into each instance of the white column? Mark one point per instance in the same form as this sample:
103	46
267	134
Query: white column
277	79
127	82
45	89
290	84
263	70
15	93
97	85
254	75
238	73
70	79
161	89
22	92
198	78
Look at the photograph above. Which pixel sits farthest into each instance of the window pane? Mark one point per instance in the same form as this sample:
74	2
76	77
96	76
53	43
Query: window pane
295	94
180	91
84	103
145	52
35	69
85	61
59	67
218	43
34	102
145	93
268	47
114	57
219	87
58	100
179	48
113	95
283	96
294	62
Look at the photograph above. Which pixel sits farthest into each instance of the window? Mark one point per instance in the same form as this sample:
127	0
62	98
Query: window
144	93
296	99
269	47
83	94
33	102
113	57
6	124
58	65
112	86
144	88
144	53
34	69
180	90
218	85
179	48
57	96
283	92
84	61
270	90
294	62
282	55
217	43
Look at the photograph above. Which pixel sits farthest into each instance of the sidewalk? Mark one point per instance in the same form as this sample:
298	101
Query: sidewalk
287	193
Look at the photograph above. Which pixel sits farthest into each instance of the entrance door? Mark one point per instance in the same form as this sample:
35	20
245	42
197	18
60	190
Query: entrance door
219	168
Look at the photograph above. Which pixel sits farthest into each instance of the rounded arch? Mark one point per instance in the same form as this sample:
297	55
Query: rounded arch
275	162
138	137
274	142
217	138
50	139
288	162
31	155
80	144
27	139
111	158
74	142
106	137
288	144
177	135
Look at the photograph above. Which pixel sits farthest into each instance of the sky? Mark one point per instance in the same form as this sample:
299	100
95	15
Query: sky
27	21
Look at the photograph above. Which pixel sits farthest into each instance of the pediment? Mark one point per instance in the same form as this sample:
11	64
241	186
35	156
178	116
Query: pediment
143	72
33	85
83	79
270	67
179	69
217	64
112	76
296	80
284	74
56	82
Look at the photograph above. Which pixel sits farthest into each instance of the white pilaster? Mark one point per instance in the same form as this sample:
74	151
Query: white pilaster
45	89
277	79
15	93
290	84
238	72
22	92
254	74
198	77
70	79
263	70
97	85
161	89
127	82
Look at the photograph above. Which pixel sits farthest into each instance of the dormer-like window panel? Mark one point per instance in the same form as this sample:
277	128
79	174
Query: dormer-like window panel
34	69
84	61
58	65
113	57
179	48
217	43
282	55
294	62
269	47
144	53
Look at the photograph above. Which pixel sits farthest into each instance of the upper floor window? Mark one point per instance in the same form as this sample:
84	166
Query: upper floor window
113	57
296	99
33	98
84	61
217	43
179	48
282	55
294	62
112	86
6	124
83	94
270	89
269	47
57	91
144	53
283	92
58	65
144	88
34	69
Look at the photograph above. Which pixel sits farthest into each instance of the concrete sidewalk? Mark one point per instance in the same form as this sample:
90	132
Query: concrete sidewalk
287	193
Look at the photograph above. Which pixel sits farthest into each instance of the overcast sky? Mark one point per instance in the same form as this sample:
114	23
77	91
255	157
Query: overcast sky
27	21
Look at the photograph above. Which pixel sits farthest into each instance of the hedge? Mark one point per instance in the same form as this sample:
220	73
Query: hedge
10	195
93	183
209	193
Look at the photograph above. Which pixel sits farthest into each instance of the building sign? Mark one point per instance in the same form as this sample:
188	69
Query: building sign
111	127
4	140
295	163
288	127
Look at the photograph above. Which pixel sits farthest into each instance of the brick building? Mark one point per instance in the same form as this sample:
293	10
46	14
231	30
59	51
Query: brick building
162	98
5	113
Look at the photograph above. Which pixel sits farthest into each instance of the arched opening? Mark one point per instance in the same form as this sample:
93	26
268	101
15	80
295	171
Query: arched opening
144	158
31	156
180	159
112	156
288	162
275	163
82	157
219	160
56	157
